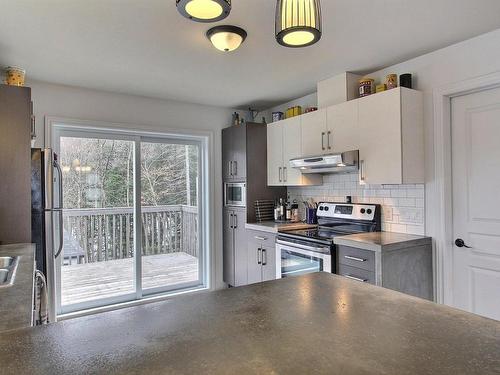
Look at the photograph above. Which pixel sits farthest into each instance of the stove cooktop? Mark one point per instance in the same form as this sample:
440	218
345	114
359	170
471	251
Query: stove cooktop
327	233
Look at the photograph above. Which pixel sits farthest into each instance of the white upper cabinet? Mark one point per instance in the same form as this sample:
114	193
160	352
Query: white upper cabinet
314	133
387	128
342	127
274	154
284	143
391	137
291	150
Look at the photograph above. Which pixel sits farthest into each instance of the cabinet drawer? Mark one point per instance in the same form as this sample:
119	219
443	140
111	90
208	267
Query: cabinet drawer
266	239
357	274
358	258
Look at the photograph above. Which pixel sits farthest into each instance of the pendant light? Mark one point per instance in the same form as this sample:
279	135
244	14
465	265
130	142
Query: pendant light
226	38
204	10
298	22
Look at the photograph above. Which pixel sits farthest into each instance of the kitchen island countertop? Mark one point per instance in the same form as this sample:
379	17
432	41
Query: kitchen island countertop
16	300
317	323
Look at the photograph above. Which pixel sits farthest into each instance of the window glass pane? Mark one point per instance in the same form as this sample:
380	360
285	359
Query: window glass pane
98	251
169	182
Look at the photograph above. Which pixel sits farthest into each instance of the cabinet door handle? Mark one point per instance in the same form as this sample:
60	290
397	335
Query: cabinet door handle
322	140
260	238
279	173
230	168
235	225
354	258
259	255
362	170
235	165
285	174
264	257
231	221
356	278
328	139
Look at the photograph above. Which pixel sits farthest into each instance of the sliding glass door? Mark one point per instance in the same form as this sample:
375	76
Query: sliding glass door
132	217
169	206
97	261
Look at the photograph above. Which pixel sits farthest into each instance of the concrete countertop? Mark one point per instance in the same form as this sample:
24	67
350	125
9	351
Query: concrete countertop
16	301
382	241
317	323
273	227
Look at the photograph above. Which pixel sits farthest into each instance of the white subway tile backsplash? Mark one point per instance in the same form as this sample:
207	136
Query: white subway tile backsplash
411	215
407	202
402	205
398	193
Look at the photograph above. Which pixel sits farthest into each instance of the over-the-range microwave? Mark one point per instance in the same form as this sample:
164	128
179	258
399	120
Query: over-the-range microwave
235	194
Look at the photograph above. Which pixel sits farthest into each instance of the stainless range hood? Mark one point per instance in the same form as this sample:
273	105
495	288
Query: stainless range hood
333	163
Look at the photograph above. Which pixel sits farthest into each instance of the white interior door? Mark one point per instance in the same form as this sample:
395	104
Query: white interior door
476	202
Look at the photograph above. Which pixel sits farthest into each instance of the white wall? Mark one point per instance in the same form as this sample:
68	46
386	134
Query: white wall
136	112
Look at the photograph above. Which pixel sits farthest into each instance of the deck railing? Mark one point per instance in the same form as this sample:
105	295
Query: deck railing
102	234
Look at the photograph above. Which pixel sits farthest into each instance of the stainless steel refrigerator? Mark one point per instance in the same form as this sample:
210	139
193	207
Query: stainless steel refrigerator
47	217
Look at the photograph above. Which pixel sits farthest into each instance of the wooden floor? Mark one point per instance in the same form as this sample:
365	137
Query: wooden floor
85	282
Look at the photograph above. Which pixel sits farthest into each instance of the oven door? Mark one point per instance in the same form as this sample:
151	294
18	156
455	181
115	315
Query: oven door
235	194
297	259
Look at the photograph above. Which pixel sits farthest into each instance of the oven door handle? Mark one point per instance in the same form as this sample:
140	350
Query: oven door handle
317	249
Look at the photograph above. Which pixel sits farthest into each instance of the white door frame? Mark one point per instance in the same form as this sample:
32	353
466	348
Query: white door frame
443	176
136	133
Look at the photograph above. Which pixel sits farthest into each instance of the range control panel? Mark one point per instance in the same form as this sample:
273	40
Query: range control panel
347	211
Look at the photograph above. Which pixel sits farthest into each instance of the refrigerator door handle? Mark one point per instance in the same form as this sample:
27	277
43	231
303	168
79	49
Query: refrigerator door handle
59	209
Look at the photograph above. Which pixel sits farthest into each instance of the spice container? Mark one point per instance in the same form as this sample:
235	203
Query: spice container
295	212
366	86
405	80
380	88
391	81
293	111
277	116
14	76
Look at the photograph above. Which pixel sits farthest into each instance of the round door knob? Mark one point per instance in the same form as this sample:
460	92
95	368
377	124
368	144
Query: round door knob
460	243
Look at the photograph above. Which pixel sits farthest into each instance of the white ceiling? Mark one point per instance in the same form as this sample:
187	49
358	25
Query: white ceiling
145	47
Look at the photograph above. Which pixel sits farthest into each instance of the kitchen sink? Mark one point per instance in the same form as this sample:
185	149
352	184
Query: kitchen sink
4	275
8	267
5	262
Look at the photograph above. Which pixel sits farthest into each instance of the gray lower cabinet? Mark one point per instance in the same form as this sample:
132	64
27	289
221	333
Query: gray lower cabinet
407	269
261	256
235	250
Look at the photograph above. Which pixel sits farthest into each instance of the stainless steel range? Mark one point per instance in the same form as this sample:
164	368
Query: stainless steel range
312	250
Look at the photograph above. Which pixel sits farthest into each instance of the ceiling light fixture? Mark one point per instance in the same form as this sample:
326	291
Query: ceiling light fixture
226	38
298	22
204	10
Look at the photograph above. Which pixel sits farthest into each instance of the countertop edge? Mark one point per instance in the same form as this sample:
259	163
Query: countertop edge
351	240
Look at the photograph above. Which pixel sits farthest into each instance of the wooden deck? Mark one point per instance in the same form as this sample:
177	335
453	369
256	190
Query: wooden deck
85	282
